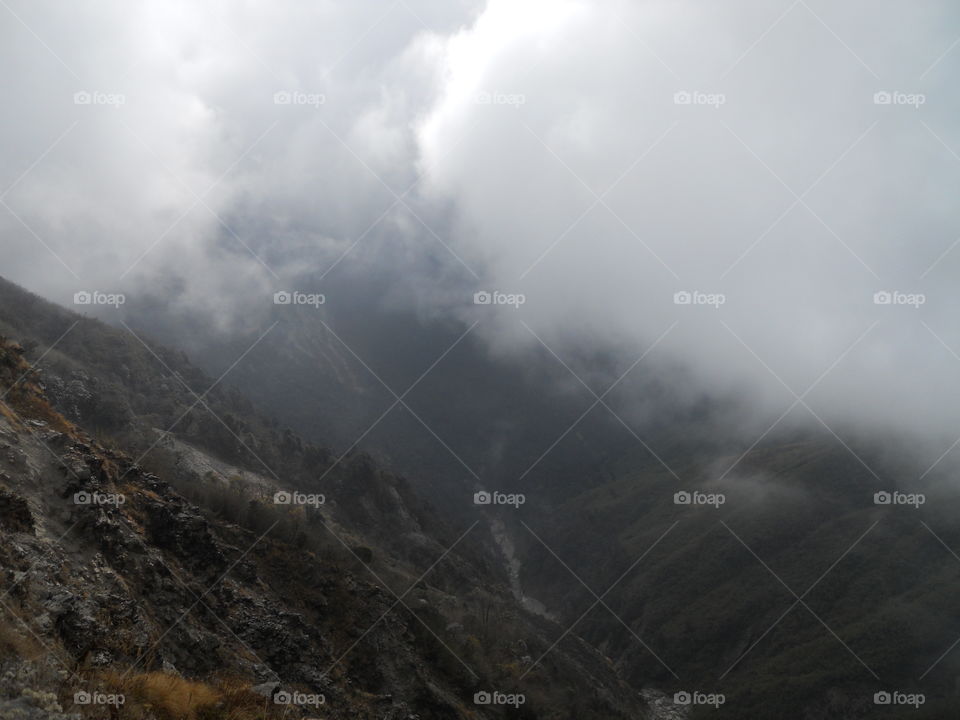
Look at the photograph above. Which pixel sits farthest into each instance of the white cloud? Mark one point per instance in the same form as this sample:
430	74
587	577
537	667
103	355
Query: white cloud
521	114
761	120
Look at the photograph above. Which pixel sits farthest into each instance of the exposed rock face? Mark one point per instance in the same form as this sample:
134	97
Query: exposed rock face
74	395
32	705
662	707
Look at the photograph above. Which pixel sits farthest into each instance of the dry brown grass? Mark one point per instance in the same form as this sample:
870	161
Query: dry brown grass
24	395
161	696
9	415
14	643
165	696
31	407
240	703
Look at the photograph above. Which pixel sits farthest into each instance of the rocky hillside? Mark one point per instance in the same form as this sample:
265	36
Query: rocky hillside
179	582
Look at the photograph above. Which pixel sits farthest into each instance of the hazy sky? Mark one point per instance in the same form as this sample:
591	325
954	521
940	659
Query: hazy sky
781	162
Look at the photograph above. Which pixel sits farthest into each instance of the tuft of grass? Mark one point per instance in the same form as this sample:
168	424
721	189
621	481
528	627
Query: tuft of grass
33	407
161	696
168	697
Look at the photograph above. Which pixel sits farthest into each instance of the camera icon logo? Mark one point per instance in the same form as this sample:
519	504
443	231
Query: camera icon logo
682	298
882	498
282	98
82	498
482	498
682	98
82	298
82	698
882	98
682	498
482	298
682	698
282	298
482	698
82	98
882	298
282	698
882	698
282	497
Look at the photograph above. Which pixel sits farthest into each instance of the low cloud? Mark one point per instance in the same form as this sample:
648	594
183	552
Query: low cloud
777	184
762	195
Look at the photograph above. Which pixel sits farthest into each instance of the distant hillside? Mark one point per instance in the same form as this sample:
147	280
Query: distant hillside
798	574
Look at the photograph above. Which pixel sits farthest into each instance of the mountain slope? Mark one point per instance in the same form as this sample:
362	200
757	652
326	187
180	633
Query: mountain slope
797	574
366	597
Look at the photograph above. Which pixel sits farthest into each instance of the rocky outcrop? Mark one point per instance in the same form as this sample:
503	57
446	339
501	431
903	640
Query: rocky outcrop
15	515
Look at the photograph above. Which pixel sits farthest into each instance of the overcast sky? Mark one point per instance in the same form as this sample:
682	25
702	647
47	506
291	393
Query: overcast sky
781	163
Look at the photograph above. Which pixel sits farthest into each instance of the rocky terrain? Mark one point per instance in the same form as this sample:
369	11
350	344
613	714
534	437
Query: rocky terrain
175	580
